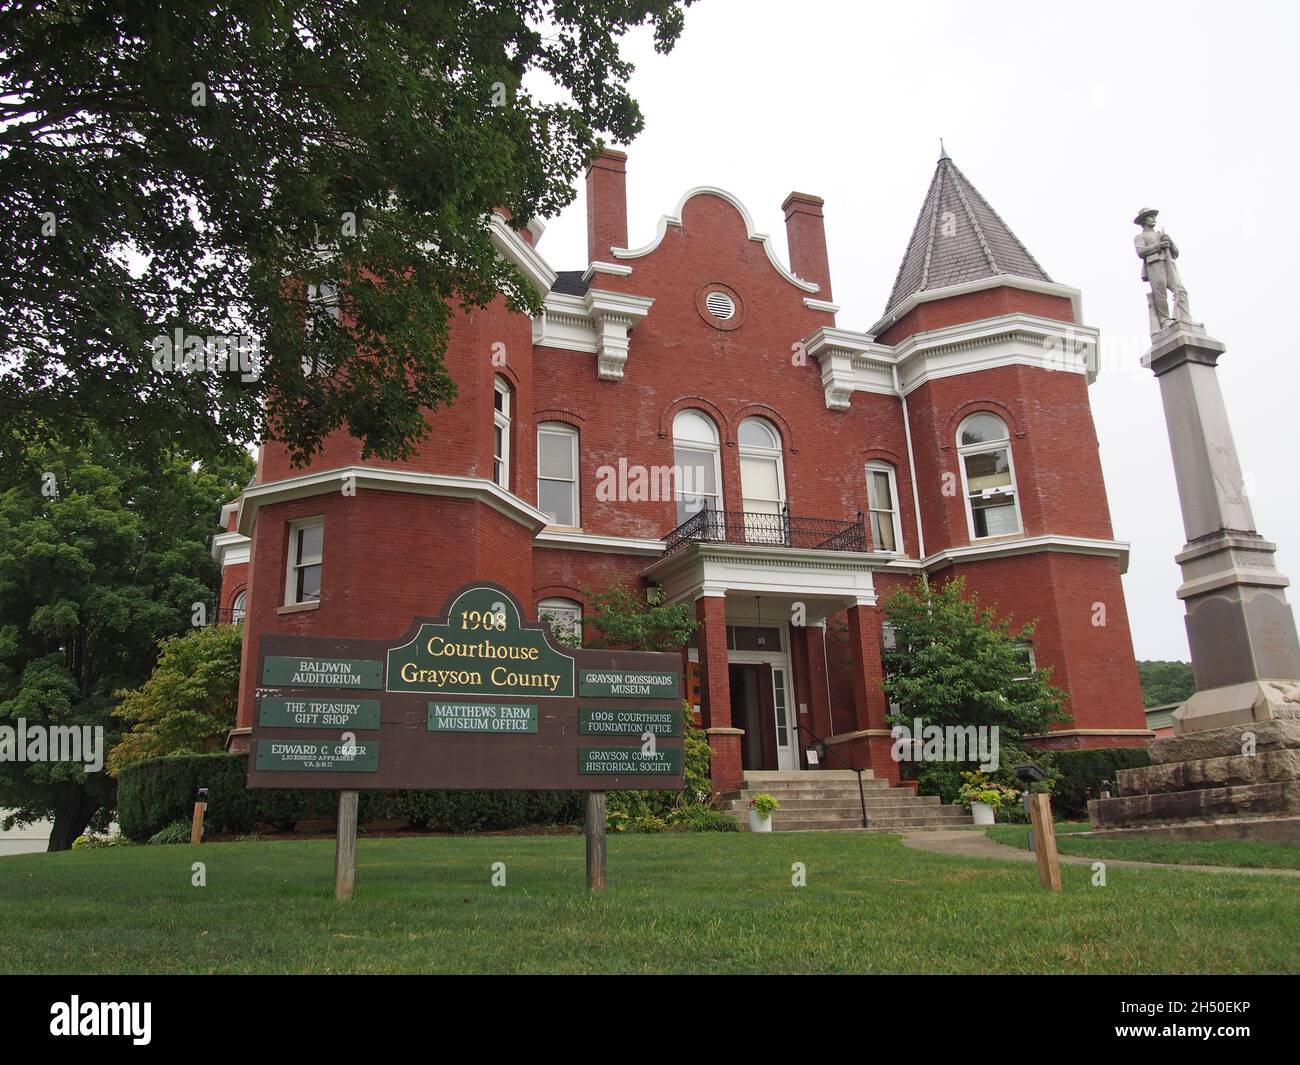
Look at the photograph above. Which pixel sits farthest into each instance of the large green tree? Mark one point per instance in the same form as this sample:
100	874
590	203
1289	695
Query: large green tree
1165	682
101	556
954	662
173	167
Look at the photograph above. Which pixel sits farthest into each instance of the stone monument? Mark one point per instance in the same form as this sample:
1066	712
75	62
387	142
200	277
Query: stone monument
1232	767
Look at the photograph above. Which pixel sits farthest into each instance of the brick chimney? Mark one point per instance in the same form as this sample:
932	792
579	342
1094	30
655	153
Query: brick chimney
805	232
606	204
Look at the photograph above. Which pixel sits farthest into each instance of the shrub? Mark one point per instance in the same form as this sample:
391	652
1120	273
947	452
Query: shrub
1080	774
176	832
698	818
764	805
157	791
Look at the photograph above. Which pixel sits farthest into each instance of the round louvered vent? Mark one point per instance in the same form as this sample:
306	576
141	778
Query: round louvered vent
720	306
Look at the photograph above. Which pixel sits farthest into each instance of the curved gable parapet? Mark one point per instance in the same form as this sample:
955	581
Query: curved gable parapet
675	219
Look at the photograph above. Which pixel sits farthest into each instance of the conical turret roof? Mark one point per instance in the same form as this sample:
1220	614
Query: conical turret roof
959	238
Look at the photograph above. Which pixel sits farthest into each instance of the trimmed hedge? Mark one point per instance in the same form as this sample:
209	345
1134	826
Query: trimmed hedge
153	793
1080	773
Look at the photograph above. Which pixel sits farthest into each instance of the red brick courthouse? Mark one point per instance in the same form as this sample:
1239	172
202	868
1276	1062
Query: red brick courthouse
689	415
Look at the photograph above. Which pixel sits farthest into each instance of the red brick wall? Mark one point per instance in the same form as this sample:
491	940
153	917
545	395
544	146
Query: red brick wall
971	307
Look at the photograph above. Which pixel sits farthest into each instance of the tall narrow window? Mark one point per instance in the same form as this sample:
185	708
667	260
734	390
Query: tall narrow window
988	476
557	473
303	576
697	464
501	433
762	481
239	607
882	499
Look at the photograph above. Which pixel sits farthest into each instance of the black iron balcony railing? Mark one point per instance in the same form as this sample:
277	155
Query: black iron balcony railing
781	530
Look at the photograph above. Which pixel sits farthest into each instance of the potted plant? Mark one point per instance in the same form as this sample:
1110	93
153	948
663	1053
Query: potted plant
760	813
984	797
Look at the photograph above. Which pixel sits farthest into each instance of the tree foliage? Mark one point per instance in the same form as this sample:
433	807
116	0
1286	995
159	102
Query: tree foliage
955	663
100	557
166	168
1165	682
188	703
626	619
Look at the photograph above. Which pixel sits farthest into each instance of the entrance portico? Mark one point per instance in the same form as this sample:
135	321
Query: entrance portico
761	650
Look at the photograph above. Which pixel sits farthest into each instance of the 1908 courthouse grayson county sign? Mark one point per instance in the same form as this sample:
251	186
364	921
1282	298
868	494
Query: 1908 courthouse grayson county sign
477	698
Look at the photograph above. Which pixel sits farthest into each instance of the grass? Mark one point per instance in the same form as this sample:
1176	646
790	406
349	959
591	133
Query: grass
684	903
1238	853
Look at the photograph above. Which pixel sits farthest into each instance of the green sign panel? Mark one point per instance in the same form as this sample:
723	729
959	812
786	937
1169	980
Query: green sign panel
482	649
482	717
312	756
629	761
354	673
288	711
594	721
630	684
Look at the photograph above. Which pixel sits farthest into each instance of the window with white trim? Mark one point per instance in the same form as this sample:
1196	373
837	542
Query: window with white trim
882	501
302	583
697	464
501	432
557	473
1025	658
762	481
565	618
239	607
322	299
988	476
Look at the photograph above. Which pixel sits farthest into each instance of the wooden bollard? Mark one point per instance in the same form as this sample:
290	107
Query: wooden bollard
1044	832
196	823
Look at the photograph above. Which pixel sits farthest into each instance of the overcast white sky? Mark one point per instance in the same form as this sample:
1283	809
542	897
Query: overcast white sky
1068	119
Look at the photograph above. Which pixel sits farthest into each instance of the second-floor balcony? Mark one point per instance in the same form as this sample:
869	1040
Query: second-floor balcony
780	529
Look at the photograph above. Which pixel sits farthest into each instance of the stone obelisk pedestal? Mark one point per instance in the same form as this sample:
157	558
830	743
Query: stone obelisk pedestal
1232	767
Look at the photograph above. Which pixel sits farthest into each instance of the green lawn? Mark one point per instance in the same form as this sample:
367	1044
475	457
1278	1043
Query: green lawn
680	903
1228	852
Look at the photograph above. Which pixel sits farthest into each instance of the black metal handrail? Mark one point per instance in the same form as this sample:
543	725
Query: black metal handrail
781	529
862	794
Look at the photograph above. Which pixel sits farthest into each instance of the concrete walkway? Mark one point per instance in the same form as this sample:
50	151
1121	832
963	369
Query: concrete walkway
963	843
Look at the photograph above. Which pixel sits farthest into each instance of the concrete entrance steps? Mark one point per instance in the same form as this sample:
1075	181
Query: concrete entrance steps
827	800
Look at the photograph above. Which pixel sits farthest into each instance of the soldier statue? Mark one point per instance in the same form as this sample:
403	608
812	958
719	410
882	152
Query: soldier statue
1158	252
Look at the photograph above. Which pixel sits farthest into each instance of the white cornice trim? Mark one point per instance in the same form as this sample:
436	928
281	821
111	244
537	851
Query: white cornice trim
821	305
231	548
675	219
536	227
530	263
598	267
619	545
311	484
1028	545
1026	284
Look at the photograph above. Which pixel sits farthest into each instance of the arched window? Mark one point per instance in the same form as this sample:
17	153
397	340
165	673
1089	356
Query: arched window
762	481
565	618
988	476
501	432
882	501
557	473
239	607
698	466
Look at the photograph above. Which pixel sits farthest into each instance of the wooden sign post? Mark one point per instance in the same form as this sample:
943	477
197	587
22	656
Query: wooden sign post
345	846
196	824
1044	836
479	697
595	841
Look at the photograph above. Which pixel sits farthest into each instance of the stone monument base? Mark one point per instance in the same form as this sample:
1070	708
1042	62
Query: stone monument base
1201	786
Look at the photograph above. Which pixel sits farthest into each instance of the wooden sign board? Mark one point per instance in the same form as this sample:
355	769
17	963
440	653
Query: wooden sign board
476	698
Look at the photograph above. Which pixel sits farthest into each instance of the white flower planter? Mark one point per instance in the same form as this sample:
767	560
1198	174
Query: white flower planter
759	823
982	812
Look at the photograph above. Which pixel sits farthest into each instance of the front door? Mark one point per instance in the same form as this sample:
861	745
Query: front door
760	705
